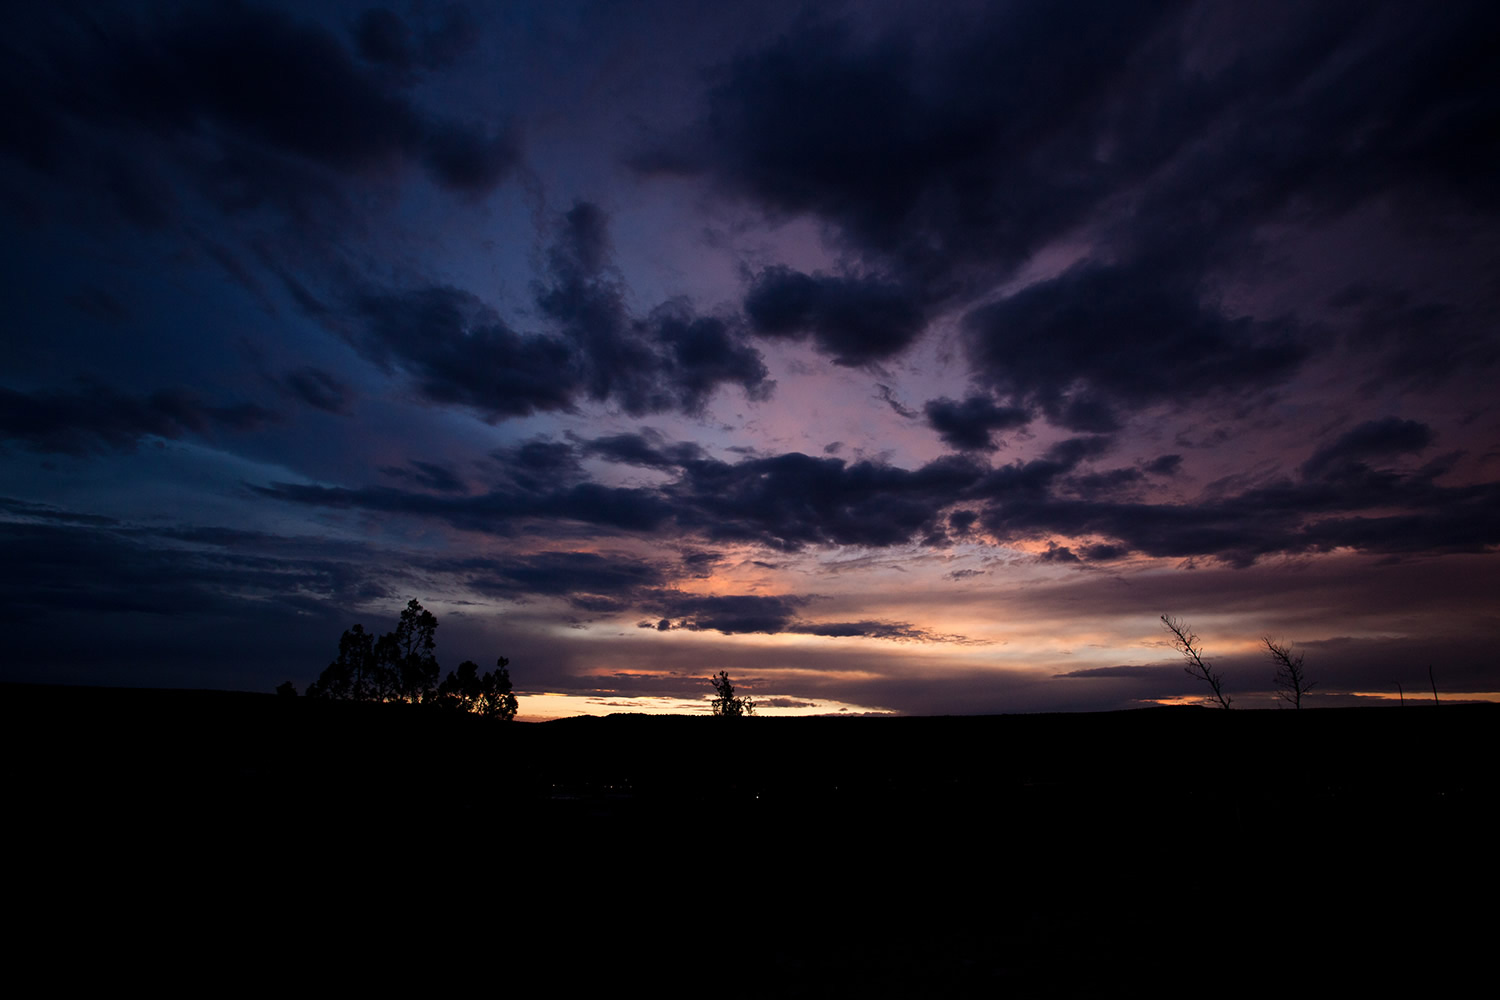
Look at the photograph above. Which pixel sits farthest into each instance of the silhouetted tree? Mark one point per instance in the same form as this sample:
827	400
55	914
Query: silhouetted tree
490	696
1187	644
350	677
725	703
1291	679
414	668
286	689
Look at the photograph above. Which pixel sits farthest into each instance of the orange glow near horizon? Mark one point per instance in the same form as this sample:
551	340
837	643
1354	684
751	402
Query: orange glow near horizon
553	705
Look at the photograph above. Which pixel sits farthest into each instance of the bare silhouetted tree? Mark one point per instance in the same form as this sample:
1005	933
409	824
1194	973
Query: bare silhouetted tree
1187	644
1291	678
725	703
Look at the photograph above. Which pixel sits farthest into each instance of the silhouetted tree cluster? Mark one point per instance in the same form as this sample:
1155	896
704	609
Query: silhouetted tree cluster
489	696
401	666
725	702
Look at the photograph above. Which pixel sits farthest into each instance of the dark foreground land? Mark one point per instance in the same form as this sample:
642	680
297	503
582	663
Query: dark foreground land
1185	851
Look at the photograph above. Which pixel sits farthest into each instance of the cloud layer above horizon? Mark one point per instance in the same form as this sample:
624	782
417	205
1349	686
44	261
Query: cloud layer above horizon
892	361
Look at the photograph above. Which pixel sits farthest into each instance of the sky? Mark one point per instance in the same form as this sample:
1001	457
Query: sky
893	357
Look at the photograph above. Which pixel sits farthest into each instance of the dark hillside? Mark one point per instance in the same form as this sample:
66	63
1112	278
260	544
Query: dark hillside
927	854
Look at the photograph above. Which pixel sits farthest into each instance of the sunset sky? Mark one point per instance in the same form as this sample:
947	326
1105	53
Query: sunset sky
891	360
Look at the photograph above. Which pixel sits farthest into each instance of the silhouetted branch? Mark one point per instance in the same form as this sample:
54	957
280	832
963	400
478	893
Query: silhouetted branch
1291	678
1187	644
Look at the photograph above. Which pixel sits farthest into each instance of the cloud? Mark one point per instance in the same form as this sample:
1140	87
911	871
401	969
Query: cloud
427	475
647	449
460	352
499	512
95	418
538	466
887	396
1372	439
1280	517
1097	338
73	568
388	40
147	109
771	614
969	425
598	580
856	321
1141	672
1166	465
319	389
726	613
1159	144
922	147
291	87
793	502
671	360
697	354
891	631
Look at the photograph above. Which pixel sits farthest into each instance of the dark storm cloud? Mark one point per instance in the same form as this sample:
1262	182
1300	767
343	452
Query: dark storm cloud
1141	672
731	614
498	512
390	41
887	396
185	606
942	154
1373	439
700	353
24	510
604	582
73	568
672	360
647	449
890	631
1109	336
95	418
785	502
970	424
1097	485
593	578
1058	554
538	466
1420	342
921	148
794	500
460	352
726	613
1282	517
428	475
1166	465
284	85
856	321
319	389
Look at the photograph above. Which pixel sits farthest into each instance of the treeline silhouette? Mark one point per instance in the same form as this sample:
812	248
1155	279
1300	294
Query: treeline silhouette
401	666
